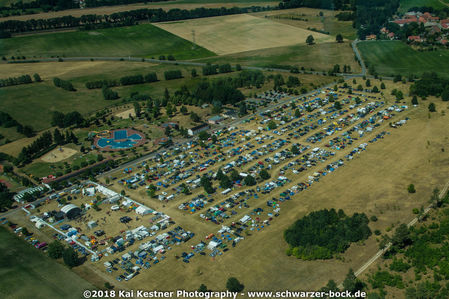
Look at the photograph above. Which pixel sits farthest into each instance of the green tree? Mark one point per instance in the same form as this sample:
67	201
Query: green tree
55	249
37	78
203	135
297	113
225	182
206	184
234	285
194	117
375	89
445	94
183	110
415	100
310	40
202	288
58	137
337	105
432	107
339	38
411	188
194	73
382	85
272	125
250	180
295	150
401	236
70	257
264	175
368	83
238	67
167	131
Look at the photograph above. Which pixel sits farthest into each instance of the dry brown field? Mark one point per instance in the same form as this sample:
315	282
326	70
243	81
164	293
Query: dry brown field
240	33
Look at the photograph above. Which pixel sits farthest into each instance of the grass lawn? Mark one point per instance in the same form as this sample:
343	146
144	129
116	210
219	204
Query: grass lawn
405	5
398	58
319	57
25	272
142	40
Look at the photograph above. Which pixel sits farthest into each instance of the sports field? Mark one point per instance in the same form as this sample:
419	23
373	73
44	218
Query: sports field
395	57
238	33
142	40
25	272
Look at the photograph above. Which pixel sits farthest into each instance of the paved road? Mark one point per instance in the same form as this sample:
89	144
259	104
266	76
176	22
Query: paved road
387	247
359	57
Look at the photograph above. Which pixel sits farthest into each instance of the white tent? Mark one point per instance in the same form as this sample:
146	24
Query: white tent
141	210
212	245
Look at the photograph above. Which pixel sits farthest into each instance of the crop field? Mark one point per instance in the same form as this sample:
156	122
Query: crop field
239	33
395	57
356	161
320	57
143	40
177	4
25	270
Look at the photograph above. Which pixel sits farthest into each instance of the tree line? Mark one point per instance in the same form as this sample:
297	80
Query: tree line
66	120
24	79
323	233
7	121
48	5
124	18
64	84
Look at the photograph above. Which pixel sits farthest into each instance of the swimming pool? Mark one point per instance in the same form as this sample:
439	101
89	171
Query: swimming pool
124	143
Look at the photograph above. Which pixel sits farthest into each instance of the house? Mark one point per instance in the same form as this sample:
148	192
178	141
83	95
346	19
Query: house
197	129
390	35
371	37
171	125
214	120
414	38
445	23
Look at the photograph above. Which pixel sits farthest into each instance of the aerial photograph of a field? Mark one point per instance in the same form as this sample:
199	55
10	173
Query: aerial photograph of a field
224	149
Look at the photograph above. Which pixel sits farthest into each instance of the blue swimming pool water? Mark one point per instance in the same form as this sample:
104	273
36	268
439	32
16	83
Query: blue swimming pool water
119	135
135	137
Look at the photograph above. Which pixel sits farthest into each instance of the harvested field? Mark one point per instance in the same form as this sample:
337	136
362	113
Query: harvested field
239	33
107	10
58	154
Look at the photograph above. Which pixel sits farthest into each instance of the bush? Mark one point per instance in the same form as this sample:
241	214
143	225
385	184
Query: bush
411	188
234	285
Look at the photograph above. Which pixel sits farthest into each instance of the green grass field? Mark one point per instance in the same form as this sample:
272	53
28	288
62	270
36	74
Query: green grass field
25	272
405	5
33	104
319	57
395	57
142	40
